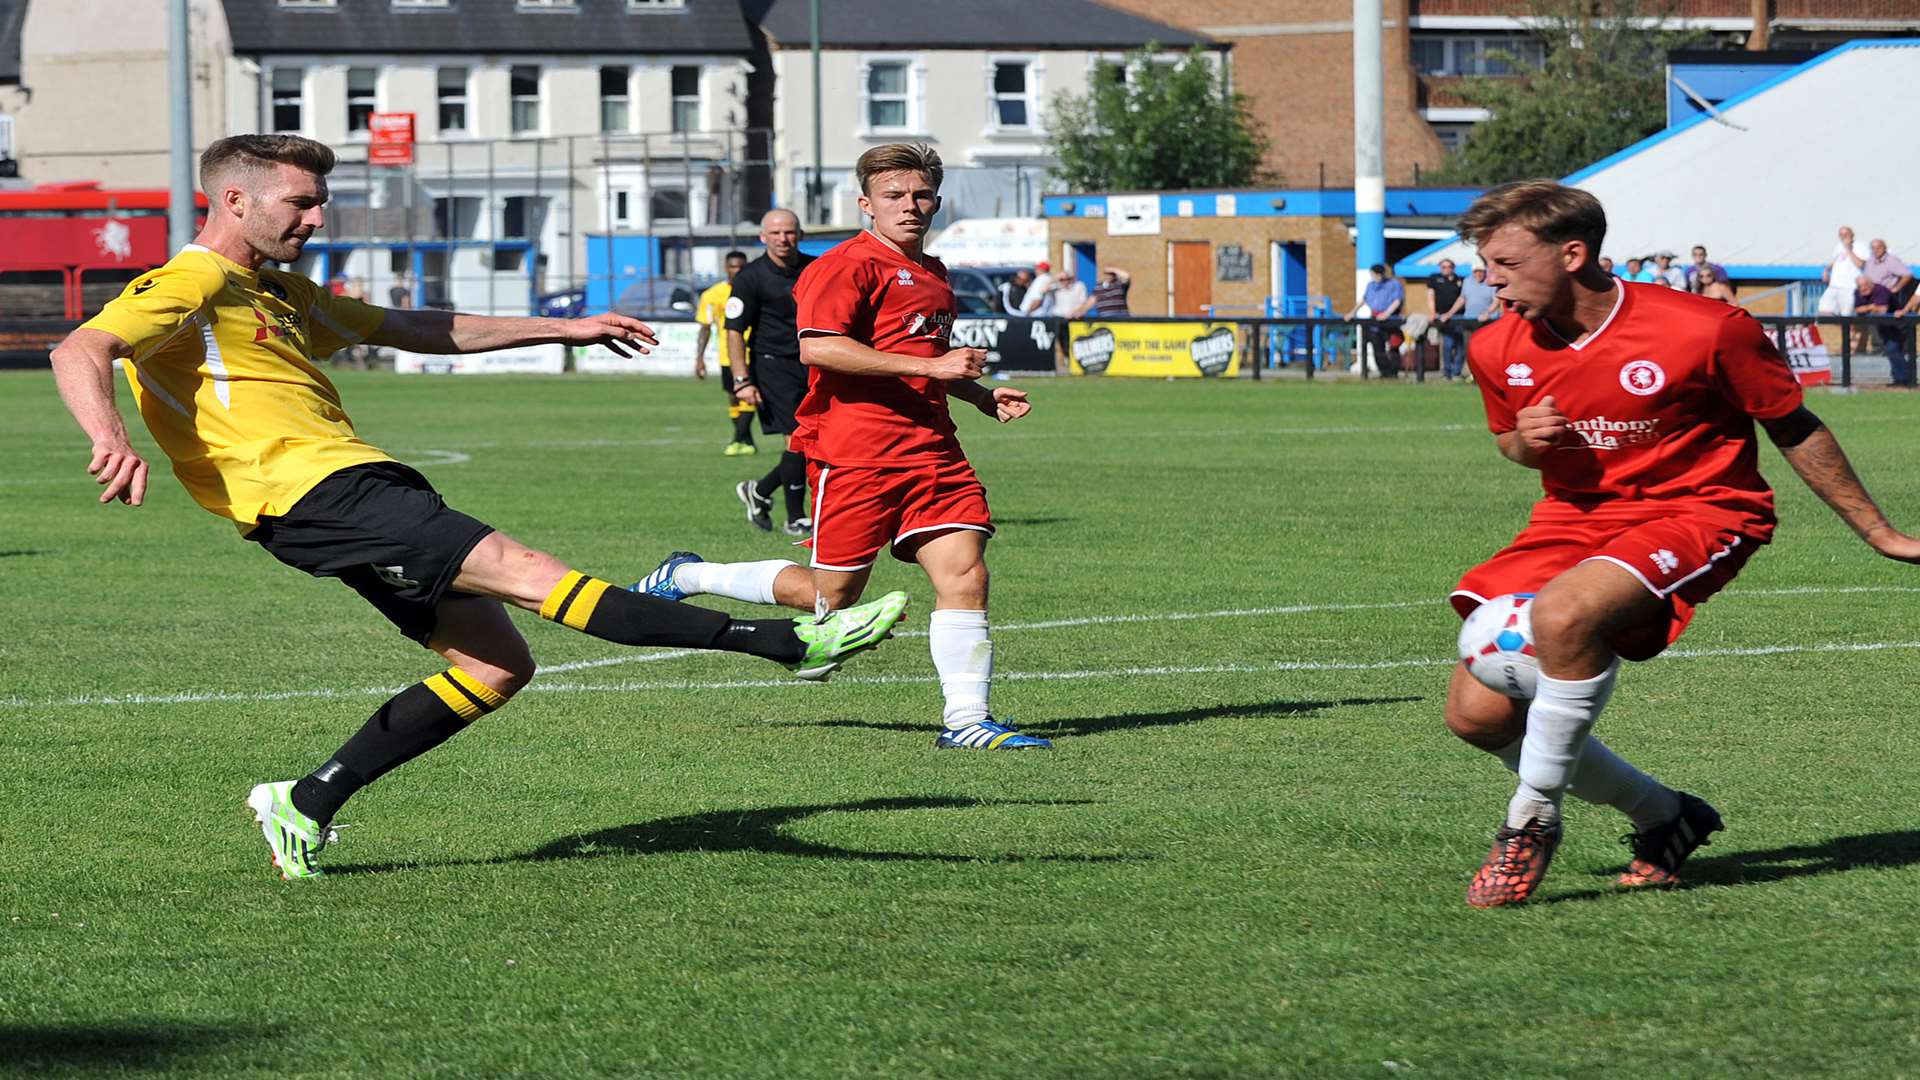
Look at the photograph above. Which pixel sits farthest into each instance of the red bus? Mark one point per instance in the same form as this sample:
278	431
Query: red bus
68	248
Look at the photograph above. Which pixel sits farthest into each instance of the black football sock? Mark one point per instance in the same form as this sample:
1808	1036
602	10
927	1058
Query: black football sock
411	723
768	484
793	477
743	428
610	613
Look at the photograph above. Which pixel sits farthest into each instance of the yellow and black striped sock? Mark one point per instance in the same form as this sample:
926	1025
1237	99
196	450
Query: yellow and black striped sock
609	613
411	723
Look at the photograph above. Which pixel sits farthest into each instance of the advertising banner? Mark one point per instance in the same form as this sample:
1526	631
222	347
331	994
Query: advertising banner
390	138
1805	353
1160	350
673	356
528	360
1012	344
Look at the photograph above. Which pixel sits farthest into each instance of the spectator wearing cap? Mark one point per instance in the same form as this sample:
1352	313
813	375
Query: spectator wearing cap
1700	263
1383	298
1039	301
1665	273
1482	300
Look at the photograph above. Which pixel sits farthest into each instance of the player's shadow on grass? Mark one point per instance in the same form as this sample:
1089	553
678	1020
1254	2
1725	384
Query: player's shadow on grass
1101	725
1887	850
1030	521
26	1049
761	831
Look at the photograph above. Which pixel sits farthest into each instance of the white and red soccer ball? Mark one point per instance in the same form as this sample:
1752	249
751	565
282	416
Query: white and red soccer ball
1496	643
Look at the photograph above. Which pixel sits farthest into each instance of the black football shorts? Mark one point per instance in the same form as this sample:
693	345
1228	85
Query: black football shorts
384	532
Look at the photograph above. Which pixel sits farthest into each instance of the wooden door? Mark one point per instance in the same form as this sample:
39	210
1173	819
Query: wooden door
1190	266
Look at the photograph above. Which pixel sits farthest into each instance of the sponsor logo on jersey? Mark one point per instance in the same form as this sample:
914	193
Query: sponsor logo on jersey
143	286
273	288
1666	560
1601	433
939	325
1519	375
905	275
1642	377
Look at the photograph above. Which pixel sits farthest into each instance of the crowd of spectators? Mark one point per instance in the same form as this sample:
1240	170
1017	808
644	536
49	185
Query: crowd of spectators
1044	293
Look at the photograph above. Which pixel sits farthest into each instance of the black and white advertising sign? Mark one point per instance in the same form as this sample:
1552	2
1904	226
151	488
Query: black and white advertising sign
1011	344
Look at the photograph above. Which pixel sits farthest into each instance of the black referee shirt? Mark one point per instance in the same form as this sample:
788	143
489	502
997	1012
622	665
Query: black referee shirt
763	303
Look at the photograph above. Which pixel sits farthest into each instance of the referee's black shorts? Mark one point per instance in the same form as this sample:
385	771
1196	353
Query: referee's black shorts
384	532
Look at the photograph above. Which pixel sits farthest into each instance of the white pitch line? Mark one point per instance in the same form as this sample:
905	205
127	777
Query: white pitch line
329	693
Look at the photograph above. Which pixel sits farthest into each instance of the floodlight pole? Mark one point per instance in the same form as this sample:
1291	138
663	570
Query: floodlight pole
813	189
1369	143
180	91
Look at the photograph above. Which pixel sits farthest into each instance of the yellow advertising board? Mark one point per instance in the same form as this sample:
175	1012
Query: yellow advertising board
1160	350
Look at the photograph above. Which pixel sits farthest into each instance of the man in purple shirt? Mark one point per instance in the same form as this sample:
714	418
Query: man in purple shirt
1383	298
1872	298
1885	268
1699	263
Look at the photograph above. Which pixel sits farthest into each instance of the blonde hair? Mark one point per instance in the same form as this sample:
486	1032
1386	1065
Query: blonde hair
898	157
1548	209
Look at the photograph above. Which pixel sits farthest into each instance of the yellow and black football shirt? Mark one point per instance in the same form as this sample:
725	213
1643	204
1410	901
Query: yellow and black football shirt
712	310
223	373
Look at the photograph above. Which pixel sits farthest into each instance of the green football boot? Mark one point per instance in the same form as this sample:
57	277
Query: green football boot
831	639
293	837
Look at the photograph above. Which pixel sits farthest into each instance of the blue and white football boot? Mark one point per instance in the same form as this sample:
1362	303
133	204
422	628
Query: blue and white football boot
988	735
659	581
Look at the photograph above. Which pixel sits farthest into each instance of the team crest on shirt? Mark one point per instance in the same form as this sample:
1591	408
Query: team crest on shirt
272	287
1642	377
1519	375
905	275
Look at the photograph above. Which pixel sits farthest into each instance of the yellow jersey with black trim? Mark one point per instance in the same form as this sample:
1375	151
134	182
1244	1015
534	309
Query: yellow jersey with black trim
223	373
712	310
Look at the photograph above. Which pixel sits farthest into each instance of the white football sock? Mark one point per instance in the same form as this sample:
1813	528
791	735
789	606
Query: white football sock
749	581
1562	713
1604	778
963	656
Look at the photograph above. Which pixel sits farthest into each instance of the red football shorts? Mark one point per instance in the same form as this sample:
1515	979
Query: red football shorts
859	510
1682	560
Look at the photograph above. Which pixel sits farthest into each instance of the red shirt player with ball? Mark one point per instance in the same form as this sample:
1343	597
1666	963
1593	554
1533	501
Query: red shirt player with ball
875	319
1637	405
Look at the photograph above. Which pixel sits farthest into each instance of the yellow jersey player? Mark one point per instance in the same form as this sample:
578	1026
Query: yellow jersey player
220	352
711	314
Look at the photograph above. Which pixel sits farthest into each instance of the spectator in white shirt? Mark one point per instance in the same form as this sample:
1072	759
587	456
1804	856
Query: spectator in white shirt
1844	264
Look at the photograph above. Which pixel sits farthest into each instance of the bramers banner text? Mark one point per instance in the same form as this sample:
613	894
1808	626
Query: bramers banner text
1161	350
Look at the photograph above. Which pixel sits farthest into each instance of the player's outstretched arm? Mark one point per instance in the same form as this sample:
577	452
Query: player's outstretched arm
837	352
1816	455
83	369
424	330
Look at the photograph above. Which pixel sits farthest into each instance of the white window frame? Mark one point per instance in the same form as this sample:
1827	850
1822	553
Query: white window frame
273	100
620	204
306	3
642	6
379	78
421	3
548	5
699	99
626	99
914	95
1452	44
465	99
1033	94
6	138
539	101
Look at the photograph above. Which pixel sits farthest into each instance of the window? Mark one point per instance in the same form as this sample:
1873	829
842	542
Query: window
361	87
420	3
523	217
1449	54
616	86
887	96
457	217
554	5
1012	104
656	5
452	97
6	138
287	98
622	209
306	3
525	88
666	204
686	98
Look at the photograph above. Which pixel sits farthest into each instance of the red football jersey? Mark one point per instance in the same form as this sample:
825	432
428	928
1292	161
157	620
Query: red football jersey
1661	400
865	290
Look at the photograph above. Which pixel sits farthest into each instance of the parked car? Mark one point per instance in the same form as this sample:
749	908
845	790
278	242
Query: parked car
658	297
981	281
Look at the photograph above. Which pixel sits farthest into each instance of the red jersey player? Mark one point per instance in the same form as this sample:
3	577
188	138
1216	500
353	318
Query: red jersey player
1637	404
875	317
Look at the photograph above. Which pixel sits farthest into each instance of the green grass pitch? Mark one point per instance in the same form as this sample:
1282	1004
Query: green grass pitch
1245	857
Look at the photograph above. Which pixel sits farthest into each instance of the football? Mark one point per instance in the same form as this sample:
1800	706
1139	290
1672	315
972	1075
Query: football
1496	642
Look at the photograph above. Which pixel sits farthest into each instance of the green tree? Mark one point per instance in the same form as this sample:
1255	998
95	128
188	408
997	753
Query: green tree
1168	125
1599	88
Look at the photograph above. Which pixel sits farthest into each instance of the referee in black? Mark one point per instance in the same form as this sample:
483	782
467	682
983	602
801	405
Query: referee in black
771	378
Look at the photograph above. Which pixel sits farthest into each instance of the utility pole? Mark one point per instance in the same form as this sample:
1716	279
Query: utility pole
814	214
1369	143
180	208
